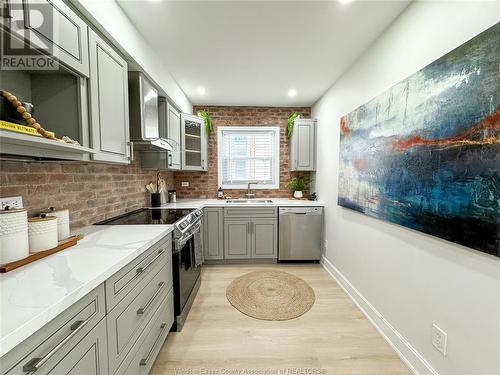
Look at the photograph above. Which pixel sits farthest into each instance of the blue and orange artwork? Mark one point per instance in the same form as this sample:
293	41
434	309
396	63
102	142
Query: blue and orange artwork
425	154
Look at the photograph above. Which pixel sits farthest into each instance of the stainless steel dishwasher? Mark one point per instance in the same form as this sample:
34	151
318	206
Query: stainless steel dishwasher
300	233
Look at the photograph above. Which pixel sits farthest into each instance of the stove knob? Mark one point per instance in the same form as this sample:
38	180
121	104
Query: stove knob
183	225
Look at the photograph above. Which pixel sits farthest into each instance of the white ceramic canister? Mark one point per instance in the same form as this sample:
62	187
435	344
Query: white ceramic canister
42	233
62	215
13	235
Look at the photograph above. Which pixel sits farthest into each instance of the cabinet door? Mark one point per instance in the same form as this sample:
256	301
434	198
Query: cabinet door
213	236
194	143
88	356
174	134
237	239
108	102
264	238
303	150
53	28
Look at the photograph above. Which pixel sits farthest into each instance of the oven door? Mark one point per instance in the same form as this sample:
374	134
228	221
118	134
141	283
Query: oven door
185	272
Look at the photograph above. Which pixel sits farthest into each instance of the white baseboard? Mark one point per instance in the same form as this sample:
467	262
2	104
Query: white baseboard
408	354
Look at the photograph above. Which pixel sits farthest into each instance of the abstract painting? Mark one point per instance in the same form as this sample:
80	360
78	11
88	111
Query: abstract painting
425	154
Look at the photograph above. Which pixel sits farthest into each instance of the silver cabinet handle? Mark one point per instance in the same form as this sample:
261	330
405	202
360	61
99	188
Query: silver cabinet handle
142	310
36	363
142	269
146	360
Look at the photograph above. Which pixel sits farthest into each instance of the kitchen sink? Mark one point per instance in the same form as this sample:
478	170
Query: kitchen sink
249	201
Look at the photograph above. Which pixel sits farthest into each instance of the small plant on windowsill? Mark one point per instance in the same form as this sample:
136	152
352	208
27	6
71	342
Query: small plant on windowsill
298	185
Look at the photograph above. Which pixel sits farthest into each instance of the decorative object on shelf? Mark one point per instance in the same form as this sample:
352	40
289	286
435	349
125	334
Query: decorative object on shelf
290	121
42	233
62	215
9	113
64	244
25	112
13	235
270	295
298	184
424	154
208	121
172	196
313	196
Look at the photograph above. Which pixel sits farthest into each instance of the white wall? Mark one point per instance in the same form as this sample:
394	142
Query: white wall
411	279
114	23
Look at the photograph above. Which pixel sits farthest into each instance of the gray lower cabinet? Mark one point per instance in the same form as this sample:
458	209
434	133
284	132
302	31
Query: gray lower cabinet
109	115
213	233
84	339
264	233
237	239
251	239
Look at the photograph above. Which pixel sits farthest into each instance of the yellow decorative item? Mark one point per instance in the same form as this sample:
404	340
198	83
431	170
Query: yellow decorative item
20	128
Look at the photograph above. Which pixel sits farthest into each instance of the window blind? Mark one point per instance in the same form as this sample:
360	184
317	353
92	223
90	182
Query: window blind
249	154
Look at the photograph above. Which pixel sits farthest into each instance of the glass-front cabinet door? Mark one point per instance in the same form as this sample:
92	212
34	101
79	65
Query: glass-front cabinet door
194	143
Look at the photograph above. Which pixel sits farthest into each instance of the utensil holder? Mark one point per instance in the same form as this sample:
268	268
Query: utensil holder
155	199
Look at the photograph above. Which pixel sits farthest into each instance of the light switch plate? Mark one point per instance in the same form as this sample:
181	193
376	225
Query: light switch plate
439	339
12	202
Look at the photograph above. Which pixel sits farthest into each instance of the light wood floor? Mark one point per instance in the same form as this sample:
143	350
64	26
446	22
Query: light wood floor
334	336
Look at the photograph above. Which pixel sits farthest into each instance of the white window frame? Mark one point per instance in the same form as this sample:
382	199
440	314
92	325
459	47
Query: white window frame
276	156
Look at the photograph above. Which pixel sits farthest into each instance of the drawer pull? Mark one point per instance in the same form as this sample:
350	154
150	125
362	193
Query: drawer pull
36	363
146	360
142	310
142	269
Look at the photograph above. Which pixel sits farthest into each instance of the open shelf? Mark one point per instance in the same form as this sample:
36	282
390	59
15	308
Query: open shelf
29	145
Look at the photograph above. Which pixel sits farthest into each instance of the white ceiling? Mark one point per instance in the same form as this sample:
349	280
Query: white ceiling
253	52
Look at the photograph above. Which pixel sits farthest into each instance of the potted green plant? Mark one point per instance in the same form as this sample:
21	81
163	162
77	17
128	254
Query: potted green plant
298	185
206	118
290	121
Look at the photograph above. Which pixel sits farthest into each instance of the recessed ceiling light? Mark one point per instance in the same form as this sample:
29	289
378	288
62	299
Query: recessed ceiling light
292	92
202	90
345	1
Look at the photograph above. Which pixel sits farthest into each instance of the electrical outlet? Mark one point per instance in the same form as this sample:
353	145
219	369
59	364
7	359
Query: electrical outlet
439	339
185	184
326	244
12	202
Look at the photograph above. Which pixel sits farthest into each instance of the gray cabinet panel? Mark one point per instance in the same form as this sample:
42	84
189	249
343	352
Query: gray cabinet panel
108	102
213	227
63	332
303	145
174	134
250	212
127	321
264	238
61	34
237	239
141	268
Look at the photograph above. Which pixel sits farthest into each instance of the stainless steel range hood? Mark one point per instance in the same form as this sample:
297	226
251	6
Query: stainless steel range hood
143	112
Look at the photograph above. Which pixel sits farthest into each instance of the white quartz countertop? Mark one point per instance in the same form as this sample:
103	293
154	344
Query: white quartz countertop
33	295
275	202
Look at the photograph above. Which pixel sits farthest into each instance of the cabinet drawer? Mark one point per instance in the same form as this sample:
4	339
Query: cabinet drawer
53	342
132	314
148	346
250	212
139	270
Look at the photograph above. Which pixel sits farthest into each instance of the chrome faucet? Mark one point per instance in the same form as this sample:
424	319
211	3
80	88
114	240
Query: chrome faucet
250	193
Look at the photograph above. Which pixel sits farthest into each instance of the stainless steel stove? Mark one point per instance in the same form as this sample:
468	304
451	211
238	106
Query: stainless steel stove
187	254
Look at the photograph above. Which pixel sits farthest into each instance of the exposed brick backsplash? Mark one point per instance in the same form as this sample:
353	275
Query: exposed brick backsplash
205	184
91	191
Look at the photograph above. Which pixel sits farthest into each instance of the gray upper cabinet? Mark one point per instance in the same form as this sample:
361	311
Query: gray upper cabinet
303	145
194	143
213	233
62	34
174	135
109	116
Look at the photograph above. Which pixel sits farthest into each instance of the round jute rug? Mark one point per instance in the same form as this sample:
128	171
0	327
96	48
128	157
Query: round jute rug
270	295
